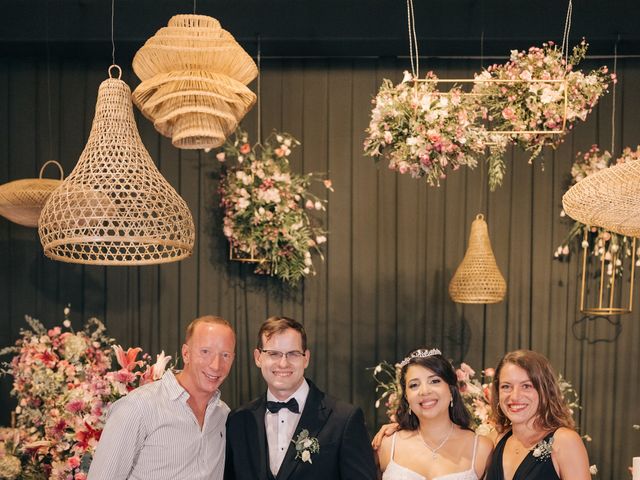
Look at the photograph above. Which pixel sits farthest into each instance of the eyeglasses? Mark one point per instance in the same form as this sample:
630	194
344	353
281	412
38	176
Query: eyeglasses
277	355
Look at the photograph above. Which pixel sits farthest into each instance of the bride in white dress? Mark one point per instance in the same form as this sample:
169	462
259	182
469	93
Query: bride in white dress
434	441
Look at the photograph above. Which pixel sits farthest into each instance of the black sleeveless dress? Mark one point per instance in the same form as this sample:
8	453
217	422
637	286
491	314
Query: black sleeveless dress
537	465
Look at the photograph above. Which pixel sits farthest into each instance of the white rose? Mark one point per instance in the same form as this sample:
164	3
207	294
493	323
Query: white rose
306	456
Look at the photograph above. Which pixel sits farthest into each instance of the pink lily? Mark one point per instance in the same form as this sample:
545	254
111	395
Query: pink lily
127	359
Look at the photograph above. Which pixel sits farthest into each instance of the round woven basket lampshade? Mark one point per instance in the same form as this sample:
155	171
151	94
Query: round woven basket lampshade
609	199
478	278
21	201
116	208
194	77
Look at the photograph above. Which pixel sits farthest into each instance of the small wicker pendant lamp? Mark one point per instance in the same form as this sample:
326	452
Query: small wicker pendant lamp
194	76
478	279
116	208
21	201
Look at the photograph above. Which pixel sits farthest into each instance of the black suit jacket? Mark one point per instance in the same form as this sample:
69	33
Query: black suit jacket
345	451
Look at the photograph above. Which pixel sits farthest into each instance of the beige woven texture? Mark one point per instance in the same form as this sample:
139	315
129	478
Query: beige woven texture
116	208
194	77
478	279
21	201
609	199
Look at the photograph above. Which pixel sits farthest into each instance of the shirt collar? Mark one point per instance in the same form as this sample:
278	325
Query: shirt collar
300	395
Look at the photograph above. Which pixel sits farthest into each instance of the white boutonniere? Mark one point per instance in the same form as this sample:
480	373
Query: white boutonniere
306	446
543	449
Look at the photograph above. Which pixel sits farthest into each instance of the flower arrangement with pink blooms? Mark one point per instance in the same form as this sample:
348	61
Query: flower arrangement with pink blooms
267	207
64	382
528	98
615	247
424	132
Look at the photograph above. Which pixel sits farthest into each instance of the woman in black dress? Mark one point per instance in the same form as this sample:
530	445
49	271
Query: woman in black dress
538	439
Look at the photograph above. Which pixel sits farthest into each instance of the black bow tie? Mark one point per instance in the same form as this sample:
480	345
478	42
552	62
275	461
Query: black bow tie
275	407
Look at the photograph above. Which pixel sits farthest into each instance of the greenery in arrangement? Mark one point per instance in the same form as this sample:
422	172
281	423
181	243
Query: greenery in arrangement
614	247
537	90
428	133
64	382
267	207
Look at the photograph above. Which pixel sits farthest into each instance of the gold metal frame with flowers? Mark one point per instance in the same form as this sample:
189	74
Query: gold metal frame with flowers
501	80
601	306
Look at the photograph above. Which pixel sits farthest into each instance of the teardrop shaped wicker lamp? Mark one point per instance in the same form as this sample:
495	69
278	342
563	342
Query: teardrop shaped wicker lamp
21	201
609	199
478	278
116	208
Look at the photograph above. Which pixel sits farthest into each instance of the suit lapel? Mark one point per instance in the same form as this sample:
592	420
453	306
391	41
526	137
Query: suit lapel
259	453
313	418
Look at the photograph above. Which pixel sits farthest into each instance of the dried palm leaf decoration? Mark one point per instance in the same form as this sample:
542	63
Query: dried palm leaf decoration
194	77
21	201
116	208
478	278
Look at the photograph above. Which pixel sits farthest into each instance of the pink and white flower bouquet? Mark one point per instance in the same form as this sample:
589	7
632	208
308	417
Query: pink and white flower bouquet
615	247
424	132
64	381
267	207
538	91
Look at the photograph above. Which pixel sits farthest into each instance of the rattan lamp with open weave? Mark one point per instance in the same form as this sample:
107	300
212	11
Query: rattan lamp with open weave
116	208
194	76
478	278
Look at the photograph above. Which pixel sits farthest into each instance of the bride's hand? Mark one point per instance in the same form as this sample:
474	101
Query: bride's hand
385	431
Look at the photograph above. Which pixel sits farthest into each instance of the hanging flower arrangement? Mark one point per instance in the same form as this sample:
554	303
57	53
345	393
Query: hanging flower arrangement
615	247
64	383
267	207
423	132
525	94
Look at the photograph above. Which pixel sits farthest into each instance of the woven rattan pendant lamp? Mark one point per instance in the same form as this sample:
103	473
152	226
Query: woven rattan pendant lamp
115	208
194	76
478	278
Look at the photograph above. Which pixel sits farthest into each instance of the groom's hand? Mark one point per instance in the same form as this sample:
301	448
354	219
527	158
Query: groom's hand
385	431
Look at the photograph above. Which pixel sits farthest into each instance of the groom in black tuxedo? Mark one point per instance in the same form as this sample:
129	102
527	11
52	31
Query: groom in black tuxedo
266	438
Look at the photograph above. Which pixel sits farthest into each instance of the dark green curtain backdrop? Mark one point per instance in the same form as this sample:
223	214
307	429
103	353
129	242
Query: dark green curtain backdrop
393	246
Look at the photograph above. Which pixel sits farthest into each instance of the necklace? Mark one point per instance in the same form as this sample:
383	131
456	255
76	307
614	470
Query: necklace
434	451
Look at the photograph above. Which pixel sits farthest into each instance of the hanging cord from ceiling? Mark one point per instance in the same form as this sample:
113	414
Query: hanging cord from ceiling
613	97
413	40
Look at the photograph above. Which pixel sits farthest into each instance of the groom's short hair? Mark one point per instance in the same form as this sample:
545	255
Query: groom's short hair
273	325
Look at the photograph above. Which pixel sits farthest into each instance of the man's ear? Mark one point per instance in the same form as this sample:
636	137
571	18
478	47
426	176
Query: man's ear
307	357
185	354
256	358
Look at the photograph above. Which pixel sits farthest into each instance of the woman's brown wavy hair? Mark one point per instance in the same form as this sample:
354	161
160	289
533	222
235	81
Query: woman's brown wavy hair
553	411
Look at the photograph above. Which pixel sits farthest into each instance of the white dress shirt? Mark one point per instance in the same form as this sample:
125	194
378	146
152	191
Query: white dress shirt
281	425
152	434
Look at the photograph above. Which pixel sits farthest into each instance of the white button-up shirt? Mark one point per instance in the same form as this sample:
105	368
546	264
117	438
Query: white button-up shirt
152	434
281	425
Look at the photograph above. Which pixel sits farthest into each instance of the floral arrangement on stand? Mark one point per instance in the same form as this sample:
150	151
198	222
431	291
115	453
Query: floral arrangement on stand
424	132
599	241
525	94
267	207
64	382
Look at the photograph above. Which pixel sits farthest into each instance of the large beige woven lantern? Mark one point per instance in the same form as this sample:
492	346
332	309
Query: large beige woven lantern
478	278
609	199
21	201
194	76
115	208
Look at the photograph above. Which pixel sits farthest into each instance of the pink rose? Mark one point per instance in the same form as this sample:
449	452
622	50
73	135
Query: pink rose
245	148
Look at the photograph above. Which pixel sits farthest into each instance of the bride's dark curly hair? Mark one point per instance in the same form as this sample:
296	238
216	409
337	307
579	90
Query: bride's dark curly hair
443	369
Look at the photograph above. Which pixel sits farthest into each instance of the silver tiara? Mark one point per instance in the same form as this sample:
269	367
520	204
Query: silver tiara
422	353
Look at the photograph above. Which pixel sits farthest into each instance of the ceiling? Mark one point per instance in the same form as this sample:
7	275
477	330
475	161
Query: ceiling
324	28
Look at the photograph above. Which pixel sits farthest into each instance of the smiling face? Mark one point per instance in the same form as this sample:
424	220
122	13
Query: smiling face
427	394
518	398
283	375
208	356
